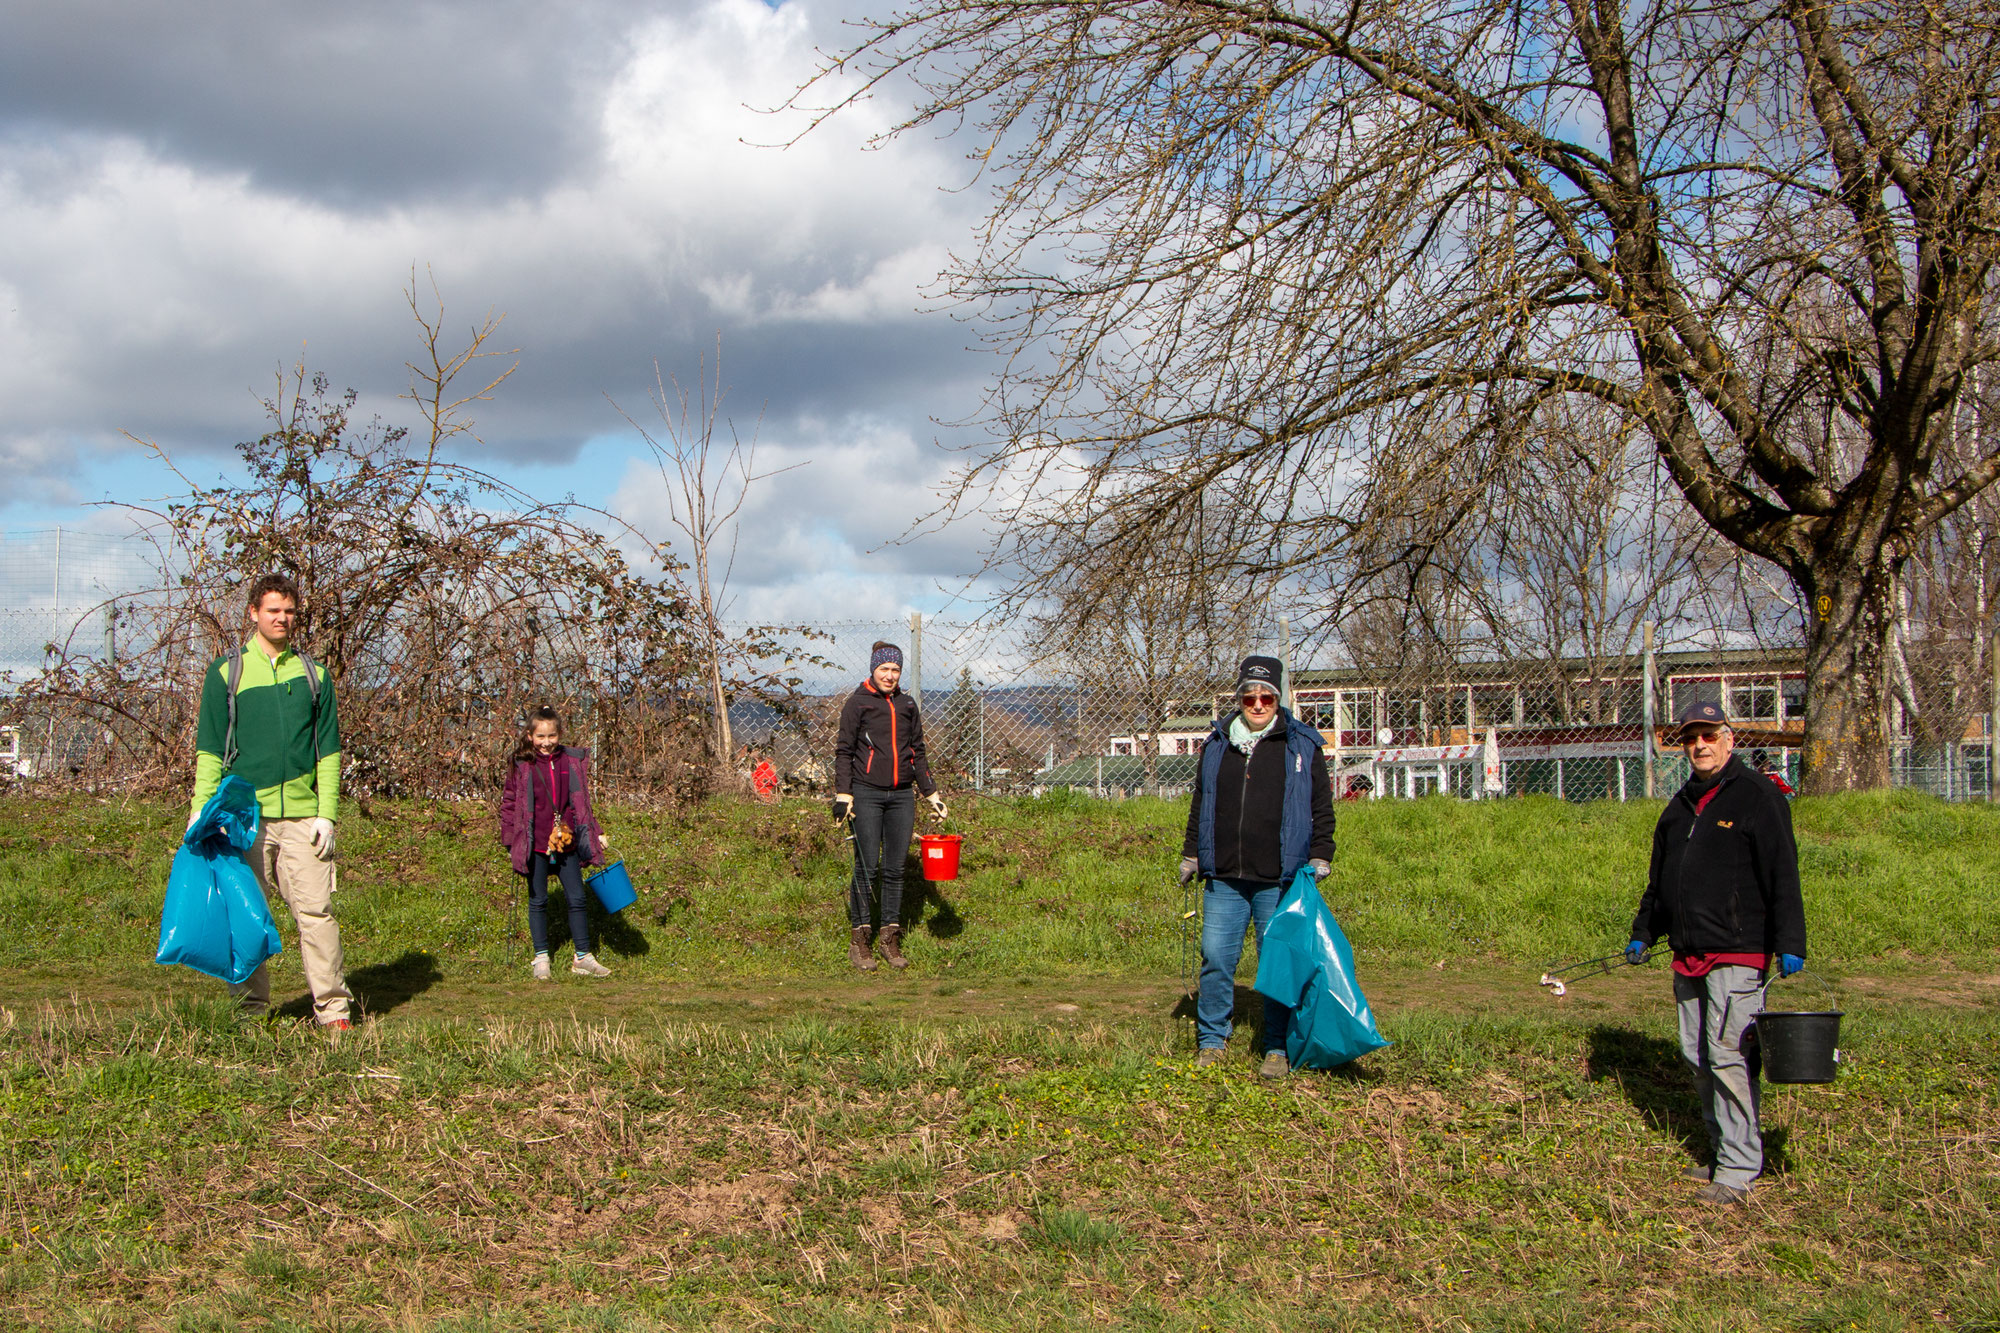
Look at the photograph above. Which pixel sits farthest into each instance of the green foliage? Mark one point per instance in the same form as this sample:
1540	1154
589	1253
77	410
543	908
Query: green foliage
1060	886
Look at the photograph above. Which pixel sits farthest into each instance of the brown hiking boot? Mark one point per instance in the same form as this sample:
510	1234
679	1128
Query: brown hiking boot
886	945
857	949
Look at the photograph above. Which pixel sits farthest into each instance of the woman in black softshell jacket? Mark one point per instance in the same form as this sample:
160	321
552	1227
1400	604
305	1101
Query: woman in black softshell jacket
878	768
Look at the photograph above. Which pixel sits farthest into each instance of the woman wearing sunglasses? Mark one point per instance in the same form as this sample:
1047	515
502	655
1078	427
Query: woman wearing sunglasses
1262	808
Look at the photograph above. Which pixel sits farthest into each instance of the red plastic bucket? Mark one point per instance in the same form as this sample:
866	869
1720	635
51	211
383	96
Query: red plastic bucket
940	854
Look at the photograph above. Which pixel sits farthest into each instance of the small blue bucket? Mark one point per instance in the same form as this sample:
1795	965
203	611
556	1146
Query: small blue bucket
613	887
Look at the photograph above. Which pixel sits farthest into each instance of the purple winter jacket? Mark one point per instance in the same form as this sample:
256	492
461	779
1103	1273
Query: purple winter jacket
517	810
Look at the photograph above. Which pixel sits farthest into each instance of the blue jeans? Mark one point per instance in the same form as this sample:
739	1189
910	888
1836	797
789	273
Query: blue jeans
883	822
1228	907
570	871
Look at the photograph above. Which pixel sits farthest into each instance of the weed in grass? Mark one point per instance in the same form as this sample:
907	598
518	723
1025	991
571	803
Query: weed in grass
1074	1231
267	1263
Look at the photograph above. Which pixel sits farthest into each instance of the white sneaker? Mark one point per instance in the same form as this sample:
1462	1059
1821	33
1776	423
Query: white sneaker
586	965
541	967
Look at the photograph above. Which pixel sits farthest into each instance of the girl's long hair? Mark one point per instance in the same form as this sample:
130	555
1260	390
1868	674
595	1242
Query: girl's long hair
525	747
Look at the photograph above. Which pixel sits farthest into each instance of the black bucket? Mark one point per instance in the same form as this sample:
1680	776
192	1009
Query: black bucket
1799	1047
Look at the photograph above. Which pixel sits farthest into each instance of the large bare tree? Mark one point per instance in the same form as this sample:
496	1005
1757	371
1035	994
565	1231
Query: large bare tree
1156	627
1316	260
706	479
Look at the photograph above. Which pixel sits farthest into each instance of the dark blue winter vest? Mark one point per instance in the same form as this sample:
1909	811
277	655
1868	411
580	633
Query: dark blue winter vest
1295	820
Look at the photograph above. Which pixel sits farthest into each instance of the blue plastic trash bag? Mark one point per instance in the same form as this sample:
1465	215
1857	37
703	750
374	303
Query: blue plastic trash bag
215	919
1307	965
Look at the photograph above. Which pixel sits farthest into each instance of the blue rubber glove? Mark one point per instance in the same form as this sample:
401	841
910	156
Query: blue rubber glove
1790	964
1635	952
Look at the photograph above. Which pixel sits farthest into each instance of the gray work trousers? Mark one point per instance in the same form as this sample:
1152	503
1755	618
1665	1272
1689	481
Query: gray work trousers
1719	1042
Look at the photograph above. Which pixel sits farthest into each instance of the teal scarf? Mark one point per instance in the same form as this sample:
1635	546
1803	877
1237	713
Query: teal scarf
1245	739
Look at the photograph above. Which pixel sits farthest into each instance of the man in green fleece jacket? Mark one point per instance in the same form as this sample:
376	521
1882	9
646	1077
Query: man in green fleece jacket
283	737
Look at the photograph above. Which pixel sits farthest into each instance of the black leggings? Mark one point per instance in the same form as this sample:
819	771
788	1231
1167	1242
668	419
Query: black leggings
569	870
883	821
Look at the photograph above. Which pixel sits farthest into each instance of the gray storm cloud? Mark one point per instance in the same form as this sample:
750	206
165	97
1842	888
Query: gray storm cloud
194	195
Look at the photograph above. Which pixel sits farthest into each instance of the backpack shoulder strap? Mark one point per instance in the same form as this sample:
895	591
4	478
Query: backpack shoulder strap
233	673
312	673
312	690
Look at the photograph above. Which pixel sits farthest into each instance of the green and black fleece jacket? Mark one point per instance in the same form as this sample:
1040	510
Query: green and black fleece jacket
274	736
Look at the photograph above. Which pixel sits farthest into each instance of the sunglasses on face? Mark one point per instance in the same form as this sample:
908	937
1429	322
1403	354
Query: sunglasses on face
1706	735
1260	701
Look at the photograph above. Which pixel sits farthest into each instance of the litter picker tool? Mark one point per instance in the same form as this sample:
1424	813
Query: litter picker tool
1190	955
1560	979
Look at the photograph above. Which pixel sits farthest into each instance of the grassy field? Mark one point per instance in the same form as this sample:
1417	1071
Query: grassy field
734	1131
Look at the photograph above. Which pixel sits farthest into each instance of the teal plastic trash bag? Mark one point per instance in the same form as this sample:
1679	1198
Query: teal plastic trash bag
1307	965
215	919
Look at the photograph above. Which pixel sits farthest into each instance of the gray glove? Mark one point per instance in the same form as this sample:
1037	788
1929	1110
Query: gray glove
1320	868
322	838
1189	868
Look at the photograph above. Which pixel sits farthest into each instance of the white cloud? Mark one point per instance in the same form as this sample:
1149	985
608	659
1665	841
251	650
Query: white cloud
822	539
148	292
170	247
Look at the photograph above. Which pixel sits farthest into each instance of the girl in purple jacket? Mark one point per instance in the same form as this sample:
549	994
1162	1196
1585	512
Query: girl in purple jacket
546	825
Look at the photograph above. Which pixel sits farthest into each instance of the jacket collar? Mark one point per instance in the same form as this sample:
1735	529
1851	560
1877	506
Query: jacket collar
869	685
1731	769
254	647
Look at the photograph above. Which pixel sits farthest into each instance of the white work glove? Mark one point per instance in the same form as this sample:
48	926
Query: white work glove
843	806
1189	868
1320	868
937	805
322	838
192	817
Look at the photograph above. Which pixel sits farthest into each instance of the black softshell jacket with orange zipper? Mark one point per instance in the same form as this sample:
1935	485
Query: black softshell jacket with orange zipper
881	742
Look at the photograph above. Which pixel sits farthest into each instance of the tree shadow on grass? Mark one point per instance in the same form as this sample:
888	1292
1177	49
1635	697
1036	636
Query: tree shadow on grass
1650	1072
379	988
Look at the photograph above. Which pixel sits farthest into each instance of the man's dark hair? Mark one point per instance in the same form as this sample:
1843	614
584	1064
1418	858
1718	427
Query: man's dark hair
273	582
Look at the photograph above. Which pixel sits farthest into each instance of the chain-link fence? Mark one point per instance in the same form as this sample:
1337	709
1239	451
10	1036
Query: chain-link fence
1581	729
999	718
59	599
1592	729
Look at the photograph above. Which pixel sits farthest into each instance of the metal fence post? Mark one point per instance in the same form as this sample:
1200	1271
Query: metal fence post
1993	720
1647	710
916	685
55	599
1285	662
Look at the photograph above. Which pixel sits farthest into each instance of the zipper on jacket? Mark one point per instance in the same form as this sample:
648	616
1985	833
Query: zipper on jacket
1242	804
895	750
285	730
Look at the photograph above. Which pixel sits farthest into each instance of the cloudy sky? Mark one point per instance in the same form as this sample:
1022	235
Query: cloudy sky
195	195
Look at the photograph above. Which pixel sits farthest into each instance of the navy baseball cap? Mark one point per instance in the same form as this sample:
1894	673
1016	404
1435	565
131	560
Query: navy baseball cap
1701	713
1265	672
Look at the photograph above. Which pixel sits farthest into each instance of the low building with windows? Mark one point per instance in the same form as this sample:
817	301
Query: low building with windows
1574	727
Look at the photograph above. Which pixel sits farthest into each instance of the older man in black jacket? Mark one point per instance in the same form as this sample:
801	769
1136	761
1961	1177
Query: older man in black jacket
1724	889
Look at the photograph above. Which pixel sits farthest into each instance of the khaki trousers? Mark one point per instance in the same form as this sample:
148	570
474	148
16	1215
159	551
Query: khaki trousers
284	859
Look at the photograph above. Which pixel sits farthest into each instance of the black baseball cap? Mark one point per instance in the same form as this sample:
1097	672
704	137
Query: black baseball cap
1701	713
1260	671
